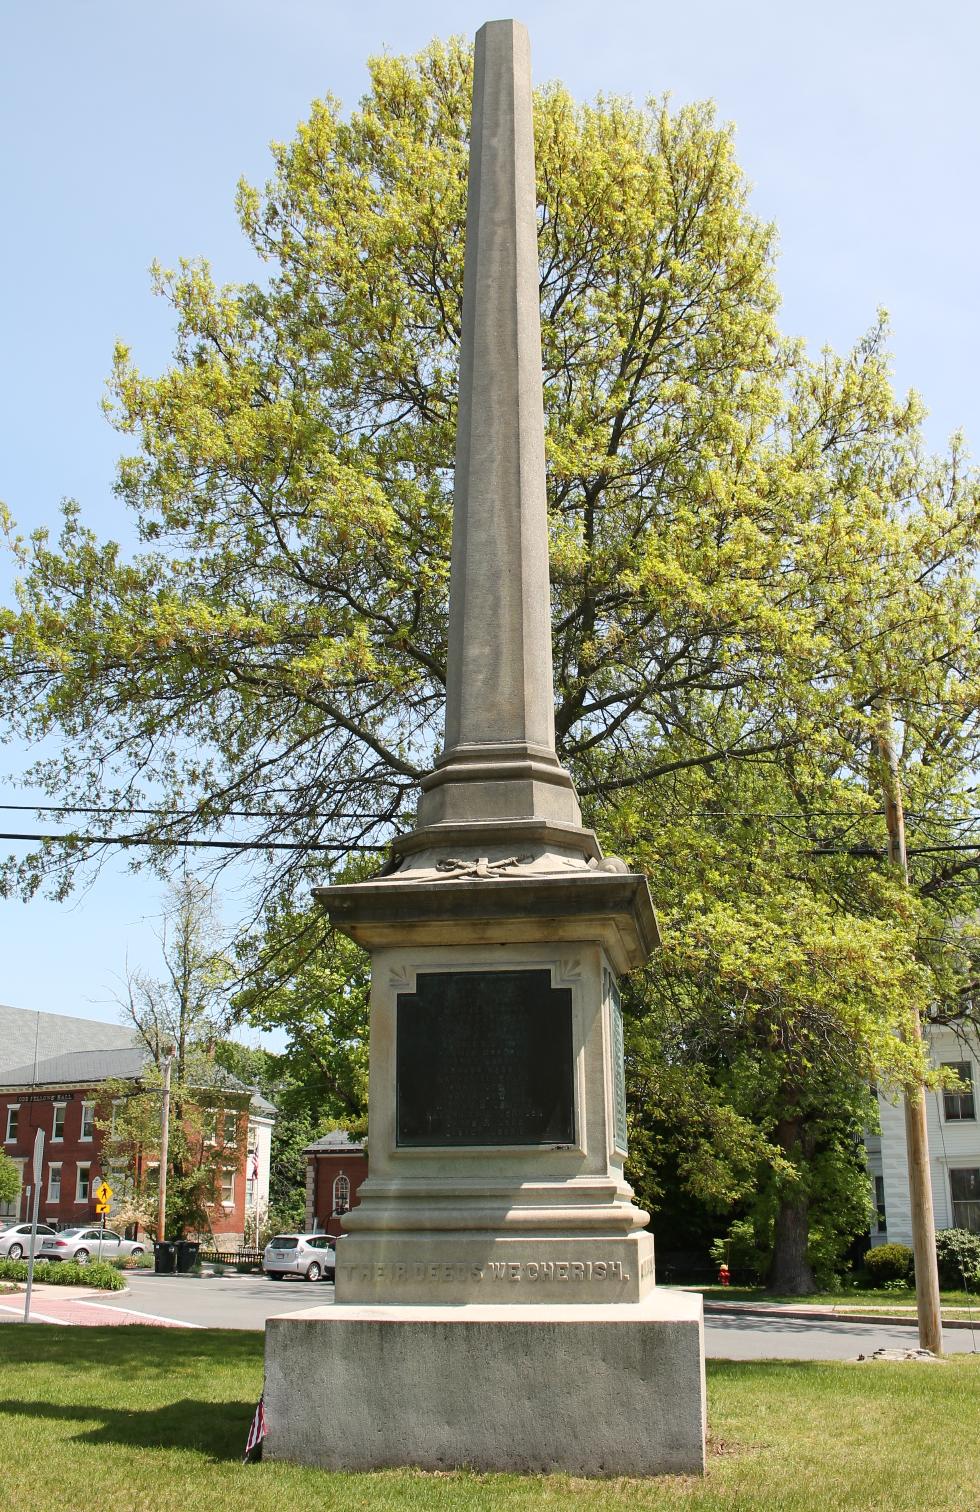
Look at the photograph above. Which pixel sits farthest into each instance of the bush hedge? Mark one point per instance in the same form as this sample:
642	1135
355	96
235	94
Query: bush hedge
889	1262
958	1253
134	1262
102	1276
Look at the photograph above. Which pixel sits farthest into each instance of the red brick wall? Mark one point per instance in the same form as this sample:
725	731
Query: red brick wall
37	1111
231	1220
326	1168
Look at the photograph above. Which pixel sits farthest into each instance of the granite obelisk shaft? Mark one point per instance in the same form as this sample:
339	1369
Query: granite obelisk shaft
499	684
500	725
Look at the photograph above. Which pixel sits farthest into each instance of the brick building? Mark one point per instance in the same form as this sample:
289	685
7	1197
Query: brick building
336	1166
59	1087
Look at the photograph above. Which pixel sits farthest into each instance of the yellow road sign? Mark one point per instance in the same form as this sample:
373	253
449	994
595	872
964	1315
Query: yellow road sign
103	1192
101	1207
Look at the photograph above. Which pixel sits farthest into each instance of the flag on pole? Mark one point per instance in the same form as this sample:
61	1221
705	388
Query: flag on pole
253	1170
256	1433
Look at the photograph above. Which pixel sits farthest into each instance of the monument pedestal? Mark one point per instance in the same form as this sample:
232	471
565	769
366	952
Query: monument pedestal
599	1389
495	1290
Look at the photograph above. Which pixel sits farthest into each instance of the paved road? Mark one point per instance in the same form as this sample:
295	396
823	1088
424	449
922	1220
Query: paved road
743	1337
220	1301
246	1302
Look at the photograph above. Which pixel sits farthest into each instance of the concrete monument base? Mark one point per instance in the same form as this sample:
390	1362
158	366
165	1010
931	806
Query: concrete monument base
607	1389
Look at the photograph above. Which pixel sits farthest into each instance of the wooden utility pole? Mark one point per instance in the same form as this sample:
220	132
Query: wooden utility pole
916	1130
168	1060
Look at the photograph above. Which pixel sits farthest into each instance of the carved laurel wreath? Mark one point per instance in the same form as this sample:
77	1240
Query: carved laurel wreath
452	867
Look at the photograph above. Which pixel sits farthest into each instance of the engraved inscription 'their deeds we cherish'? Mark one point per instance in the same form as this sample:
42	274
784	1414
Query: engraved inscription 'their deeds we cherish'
493	1270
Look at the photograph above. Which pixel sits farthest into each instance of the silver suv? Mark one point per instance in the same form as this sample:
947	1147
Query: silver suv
309	1255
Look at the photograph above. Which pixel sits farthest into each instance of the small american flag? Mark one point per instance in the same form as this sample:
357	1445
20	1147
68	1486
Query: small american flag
253	1170
256	1433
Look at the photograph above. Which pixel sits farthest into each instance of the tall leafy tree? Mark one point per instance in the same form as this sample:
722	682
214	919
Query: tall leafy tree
9	1178
753	559
182	1016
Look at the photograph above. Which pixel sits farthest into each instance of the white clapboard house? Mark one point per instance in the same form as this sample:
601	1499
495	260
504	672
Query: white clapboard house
954	1148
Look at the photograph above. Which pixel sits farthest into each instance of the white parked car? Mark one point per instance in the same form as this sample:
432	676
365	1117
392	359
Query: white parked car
309	1255
82	1245
15	1240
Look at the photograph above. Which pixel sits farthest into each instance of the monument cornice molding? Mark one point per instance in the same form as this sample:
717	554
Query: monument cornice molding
613	908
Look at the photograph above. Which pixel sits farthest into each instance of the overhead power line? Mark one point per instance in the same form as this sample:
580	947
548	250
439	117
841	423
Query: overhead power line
160	813
730	816
178	841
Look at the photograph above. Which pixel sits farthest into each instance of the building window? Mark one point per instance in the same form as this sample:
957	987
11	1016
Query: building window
214	1125
58	1127
88	1120
964	1188
13	1118
959	1105
54	1181
880	1222
82	1174
251	1176
341	1194
228	1188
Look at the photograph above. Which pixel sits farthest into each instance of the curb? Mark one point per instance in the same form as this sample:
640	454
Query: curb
828	1315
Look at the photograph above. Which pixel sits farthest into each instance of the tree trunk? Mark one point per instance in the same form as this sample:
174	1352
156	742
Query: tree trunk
790	1273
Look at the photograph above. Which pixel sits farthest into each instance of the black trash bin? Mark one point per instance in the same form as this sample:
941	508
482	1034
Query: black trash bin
164	1258
187	1252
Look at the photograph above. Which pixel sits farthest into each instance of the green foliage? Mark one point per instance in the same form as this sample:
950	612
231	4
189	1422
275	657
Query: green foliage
9	1178
736	530
183	1015
744	1251
208	1127
134	1262
315	984
754	562
100	1274
889	1262
958	1253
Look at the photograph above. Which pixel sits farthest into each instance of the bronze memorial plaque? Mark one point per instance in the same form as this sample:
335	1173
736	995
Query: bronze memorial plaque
485	1058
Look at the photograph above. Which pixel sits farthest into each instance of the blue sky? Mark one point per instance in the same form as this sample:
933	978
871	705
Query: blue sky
126	126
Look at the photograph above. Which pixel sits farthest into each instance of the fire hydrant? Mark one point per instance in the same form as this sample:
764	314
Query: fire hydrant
724	1275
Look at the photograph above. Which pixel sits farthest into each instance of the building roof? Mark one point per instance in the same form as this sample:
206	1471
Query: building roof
26	1035
89	1066
262	1105
79	1067
337	1142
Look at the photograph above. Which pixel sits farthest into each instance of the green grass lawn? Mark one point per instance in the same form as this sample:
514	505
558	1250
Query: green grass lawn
852	1297
155	1420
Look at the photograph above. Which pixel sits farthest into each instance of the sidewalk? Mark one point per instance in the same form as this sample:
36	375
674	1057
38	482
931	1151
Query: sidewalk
814	1310
79	1307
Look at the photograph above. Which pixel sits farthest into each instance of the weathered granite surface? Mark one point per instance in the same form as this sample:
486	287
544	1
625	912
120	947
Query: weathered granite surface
601	1390
499	760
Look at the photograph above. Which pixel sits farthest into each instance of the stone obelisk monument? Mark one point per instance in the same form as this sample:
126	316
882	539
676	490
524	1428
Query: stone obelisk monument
495	1298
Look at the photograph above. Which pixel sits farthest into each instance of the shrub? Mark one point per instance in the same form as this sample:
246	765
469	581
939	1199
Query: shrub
103	1276
134	1262
889	1262
741	1250
958	1253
